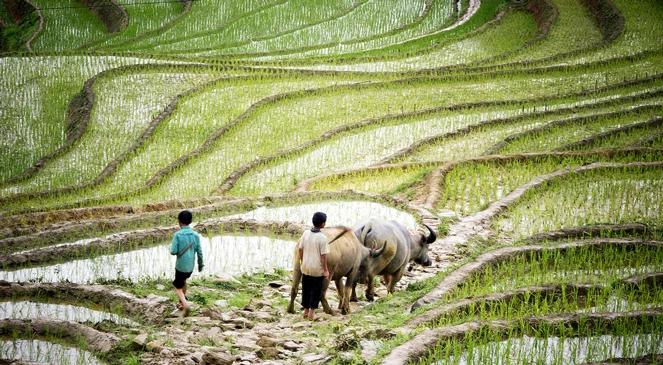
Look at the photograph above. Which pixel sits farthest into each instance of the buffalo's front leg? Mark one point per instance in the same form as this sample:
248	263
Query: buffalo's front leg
369	290
296	278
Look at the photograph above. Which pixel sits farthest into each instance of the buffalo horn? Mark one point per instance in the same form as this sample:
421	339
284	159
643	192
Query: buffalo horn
432	237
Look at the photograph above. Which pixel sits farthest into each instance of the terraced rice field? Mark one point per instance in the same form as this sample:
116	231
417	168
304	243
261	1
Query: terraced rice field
527	133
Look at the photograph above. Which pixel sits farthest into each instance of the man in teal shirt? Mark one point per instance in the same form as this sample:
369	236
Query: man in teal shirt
186	245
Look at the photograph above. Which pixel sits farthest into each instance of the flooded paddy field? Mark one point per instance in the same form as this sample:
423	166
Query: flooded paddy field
225	256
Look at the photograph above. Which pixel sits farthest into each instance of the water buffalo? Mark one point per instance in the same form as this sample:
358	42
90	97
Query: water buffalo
393	236
345	259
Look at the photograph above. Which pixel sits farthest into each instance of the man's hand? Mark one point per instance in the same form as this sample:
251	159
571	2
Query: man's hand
326	273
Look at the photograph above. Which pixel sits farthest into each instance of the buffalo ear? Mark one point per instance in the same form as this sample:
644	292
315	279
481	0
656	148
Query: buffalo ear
376	253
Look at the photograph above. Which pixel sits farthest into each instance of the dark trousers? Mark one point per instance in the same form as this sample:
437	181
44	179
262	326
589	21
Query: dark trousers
311	291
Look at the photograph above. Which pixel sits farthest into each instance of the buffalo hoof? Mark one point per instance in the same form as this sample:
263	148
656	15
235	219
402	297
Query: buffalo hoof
354	298
370	298
291	309
345	311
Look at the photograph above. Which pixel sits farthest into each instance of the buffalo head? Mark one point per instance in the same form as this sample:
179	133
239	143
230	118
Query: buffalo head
419	247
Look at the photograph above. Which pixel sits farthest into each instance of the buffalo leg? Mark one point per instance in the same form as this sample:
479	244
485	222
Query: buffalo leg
395	278
353	295
323	297
296	279
340	290
369	289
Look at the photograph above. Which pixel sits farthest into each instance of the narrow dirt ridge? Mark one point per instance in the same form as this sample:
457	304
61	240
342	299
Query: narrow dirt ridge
149	310
95	340
114	16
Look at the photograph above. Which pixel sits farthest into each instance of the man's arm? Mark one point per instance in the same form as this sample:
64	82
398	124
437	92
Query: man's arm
300	253
174	249
199	251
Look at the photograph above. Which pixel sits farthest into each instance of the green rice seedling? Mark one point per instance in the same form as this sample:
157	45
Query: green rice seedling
573	30
204	19
551	345
439	18
378	17
557	136
604	265
362	103
387	181
471	186
36	94
638	136
611	196
519	26
269	23
642	25
144	20
123	110
81	24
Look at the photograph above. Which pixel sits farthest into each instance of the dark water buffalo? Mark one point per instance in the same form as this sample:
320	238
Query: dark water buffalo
345	259
393	236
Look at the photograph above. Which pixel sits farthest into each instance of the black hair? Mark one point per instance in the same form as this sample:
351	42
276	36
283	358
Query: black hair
319	218
185	217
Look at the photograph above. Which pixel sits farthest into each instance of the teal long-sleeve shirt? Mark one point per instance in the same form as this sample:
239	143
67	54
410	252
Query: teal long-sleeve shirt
181	240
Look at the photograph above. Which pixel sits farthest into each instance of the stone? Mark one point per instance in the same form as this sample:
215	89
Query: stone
292	346
245	344
369	349
313	358
266	341
154	345
197	357
221	303
140	340
213	331
166	353
276	284
160	287
156	298
188	361
218	358
241	323
267	353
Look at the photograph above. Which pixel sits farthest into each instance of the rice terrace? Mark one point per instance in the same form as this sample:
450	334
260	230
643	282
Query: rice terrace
518	142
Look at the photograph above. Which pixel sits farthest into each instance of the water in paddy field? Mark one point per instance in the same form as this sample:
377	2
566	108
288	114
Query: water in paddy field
61	312
560	351
44	352
338	213
223	256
